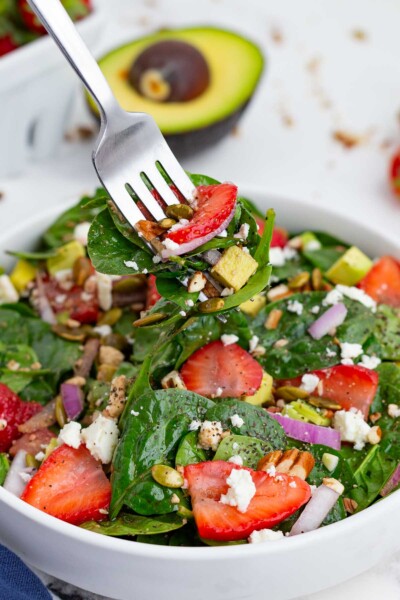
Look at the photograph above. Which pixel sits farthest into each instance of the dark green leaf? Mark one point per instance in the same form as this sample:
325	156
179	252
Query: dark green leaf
4	466
130	525
371	476
33	256
250	449
323	258
387	332
189	453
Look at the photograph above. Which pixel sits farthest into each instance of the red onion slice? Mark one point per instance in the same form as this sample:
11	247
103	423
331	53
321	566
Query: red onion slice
392	483
84	364
46	312
14	483
308	432
322	501
72	398
329	320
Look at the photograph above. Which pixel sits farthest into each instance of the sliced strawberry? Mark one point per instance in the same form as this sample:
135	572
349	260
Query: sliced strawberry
80	306
215	209
152	296
351	386
275	500
394	173
33	442
7	44
70	485
13	412
223	371
382	282
279	235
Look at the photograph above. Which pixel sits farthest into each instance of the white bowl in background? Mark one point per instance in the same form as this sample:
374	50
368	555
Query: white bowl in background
281	570
37	89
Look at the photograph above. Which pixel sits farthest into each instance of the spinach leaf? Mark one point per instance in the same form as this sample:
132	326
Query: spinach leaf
38	390
387	332
371	476
250	449
262	253
257	422
24	356
61	231
4	466
33	256
189	453
173	289
302	353
150	438
324	257
130	525
388	393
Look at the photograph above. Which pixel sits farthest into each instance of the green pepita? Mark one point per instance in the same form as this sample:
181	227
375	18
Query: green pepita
130	283
290	393
110	317
323	403
149	319
211	305
316	279
167	223
179	211
299	280
167	476
59	410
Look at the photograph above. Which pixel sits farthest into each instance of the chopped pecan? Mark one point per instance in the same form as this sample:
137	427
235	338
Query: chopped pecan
292	462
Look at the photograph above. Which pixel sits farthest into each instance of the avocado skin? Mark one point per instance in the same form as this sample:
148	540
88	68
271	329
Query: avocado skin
184	145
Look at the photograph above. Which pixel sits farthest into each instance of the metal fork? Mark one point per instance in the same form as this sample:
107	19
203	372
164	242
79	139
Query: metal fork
130	148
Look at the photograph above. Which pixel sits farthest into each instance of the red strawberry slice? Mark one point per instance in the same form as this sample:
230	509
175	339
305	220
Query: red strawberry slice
33	442
79	306
7	44
215	209
279	235
351	386
70	485
223	371
13	412
382	282
152	295
276	498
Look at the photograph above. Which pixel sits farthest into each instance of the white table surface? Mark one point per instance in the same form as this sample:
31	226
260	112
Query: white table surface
319	79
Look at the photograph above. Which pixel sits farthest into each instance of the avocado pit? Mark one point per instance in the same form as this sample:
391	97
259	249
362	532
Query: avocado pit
170	71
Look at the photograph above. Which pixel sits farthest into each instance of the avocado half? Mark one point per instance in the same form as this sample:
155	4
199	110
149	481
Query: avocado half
235	67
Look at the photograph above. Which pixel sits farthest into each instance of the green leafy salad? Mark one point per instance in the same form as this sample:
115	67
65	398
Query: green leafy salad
209	379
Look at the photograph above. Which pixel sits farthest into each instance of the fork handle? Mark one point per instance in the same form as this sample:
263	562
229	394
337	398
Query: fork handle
63	31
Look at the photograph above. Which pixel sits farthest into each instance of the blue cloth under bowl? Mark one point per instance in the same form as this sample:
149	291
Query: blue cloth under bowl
17	582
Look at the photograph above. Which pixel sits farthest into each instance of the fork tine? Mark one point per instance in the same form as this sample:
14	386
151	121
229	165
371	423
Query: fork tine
174	170
162	187
123	201
144	194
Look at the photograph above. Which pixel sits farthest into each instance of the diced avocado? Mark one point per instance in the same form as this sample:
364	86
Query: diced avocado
4	466
194	82
309	241
350	268
302	411
234	268
253	306
22	274
264	392
65	257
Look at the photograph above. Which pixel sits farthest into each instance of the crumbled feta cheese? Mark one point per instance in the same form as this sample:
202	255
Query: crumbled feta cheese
253	343
265	535
103	330
394	411
40	456
60	298
227	292
347	361
309	382
145	271
229	338
370	362
330	461
3	424
271	471
182	313
81	232
170	244
104	290
315	309
26	477
218	392
189	302
348	350
332	297
352	427
8	293
312	245
85	296
236	420
131	264
235	445
241	490
279	256
181	223
194	425
202	297
330	353
135	413
293	484
70	434
294	306
210	435
243	232
101	438
223	233
336	295
236	460
156	259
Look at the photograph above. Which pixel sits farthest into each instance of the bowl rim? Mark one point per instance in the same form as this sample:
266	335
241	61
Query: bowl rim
186	553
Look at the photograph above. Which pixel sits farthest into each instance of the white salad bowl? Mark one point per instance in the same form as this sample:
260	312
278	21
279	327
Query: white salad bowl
279	570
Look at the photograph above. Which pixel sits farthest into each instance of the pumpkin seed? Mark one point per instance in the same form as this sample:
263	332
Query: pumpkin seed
110	317
149	319
179	211
81	270
31	461
323	403
130	283
74	335
106	373
299	280
316	279
290	392
184	512
167	223
167	476
211	305
59	410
